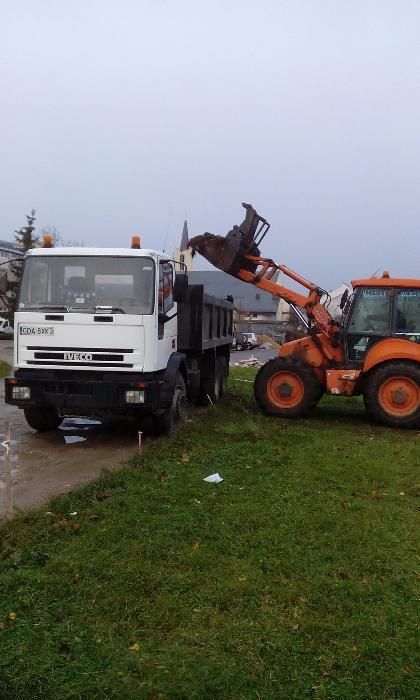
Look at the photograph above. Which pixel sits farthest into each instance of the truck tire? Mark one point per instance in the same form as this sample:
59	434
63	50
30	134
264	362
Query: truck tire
210	385
239	346
286	388
42	418
174	414
221	367
392	394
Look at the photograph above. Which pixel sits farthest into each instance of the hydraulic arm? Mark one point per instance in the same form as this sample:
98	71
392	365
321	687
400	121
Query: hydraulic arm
238	254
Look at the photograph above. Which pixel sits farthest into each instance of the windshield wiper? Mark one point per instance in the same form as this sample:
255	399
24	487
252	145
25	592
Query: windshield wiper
109	309
44	307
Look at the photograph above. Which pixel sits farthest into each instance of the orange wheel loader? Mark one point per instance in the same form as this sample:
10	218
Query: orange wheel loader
374	351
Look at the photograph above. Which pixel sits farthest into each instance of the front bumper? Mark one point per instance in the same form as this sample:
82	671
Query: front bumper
90	393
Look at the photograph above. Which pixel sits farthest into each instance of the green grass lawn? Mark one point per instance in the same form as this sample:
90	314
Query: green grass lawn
5	369
295	577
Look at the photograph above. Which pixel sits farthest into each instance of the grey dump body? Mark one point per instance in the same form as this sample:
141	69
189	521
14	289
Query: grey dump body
204	322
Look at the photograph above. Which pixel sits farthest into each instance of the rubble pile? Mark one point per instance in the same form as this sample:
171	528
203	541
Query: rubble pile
250	362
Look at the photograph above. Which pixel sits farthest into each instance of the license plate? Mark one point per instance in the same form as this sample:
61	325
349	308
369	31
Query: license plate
36	330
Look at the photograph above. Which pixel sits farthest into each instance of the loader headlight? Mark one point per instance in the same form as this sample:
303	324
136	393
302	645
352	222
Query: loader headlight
134	396
21	392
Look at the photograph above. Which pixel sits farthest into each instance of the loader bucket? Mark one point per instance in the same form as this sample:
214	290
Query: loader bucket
228	253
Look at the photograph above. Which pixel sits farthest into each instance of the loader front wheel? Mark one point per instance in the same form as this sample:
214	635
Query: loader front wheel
287	388
392	395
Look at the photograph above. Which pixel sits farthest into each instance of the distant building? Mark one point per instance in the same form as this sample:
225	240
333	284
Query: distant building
334	305
183	254
8	251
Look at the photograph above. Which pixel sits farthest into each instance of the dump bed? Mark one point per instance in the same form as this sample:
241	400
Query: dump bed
204	321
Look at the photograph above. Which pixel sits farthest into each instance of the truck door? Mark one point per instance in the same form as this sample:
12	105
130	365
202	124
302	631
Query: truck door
167	321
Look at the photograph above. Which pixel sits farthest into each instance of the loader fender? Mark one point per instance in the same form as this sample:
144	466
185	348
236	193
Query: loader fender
391	349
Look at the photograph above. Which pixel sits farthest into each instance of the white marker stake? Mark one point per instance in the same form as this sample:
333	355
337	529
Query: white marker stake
8	475
140	434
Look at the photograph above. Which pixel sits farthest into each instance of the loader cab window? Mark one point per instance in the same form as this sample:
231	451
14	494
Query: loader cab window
406	314
369	321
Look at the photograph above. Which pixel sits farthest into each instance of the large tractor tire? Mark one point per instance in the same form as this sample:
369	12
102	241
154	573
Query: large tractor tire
176	412
287	388
392	394
42	418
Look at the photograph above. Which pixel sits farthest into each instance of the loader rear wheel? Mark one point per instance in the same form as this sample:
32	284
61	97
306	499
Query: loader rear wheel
287	388
42	418
392	395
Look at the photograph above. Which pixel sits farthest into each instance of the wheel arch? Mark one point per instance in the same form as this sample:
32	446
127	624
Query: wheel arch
176	363
391	350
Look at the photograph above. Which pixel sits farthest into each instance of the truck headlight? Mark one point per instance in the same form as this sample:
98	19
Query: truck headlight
134	396
21	392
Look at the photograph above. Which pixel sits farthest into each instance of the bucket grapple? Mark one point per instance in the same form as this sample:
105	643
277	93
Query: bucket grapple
229	253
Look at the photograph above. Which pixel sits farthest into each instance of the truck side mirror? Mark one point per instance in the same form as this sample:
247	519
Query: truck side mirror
3	281
180	287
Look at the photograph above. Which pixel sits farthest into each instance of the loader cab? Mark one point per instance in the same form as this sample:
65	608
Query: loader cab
379	312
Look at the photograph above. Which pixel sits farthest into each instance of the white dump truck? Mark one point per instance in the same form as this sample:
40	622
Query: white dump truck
102	332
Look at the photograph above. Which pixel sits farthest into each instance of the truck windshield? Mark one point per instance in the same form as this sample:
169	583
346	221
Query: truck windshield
88	284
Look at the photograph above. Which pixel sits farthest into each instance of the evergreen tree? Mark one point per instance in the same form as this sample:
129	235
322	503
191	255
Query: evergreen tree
25	239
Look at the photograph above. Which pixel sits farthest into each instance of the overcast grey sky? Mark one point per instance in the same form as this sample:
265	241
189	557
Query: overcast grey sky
122	117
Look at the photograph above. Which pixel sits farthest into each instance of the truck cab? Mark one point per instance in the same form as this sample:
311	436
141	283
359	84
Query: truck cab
96	333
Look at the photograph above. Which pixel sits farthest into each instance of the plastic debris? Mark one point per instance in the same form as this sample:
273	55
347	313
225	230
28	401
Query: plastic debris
83	421
73	438
213	478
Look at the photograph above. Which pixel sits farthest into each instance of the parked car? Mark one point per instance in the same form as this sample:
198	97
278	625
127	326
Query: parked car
244	341
5	328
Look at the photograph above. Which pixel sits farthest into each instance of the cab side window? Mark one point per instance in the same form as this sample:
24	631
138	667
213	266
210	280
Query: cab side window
369	321
406	315
166	287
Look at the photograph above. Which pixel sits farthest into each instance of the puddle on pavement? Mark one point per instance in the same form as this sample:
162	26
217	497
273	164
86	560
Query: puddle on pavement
35	466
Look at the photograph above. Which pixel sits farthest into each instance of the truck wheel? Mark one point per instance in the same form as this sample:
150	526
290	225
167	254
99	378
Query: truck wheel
172	416
286	387
42	418
221	366
210	385
239	346
392	395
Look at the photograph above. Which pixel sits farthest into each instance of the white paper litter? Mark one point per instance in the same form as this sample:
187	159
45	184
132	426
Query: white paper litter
83	421
72	427
73	438
213	478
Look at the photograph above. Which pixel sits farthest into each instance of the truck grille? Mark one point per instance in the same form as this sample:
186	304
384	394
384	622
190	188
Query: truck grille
87	357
